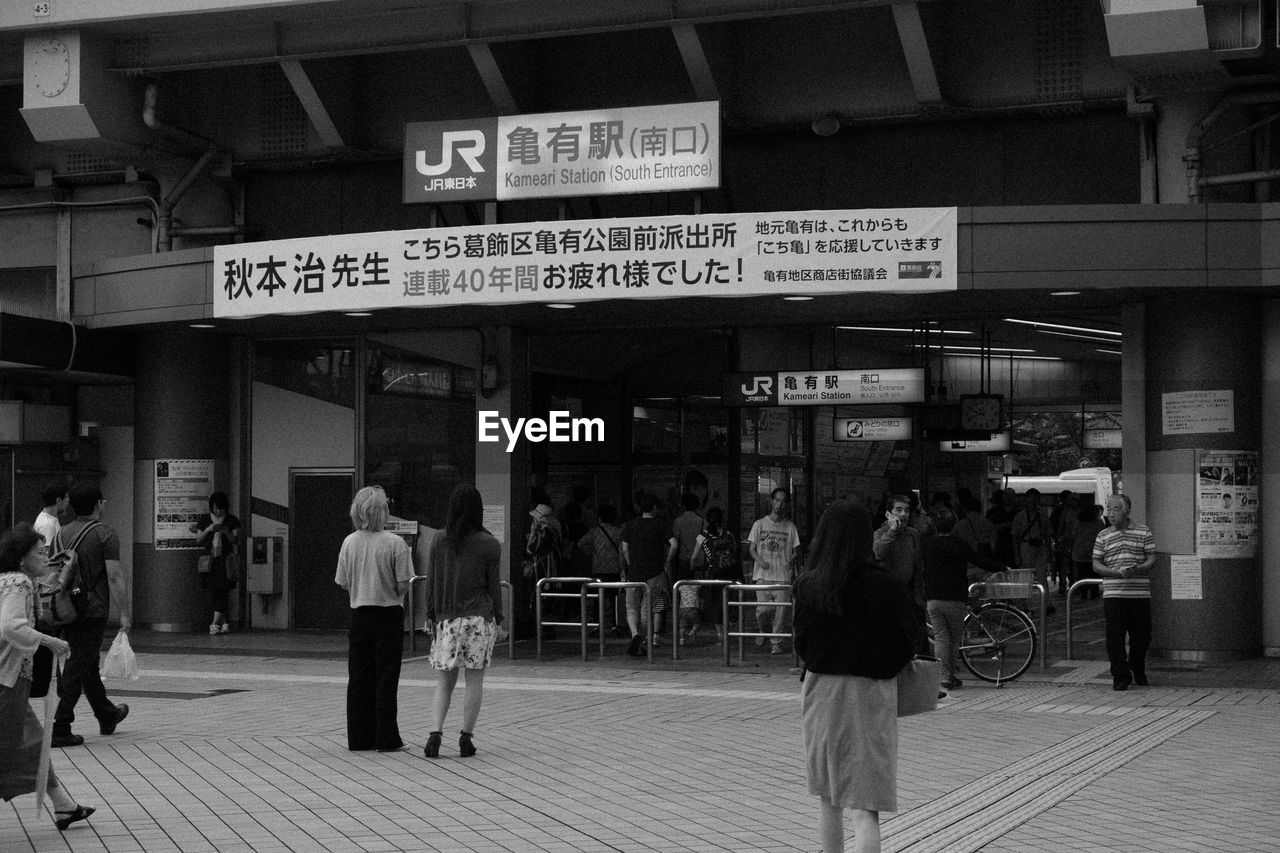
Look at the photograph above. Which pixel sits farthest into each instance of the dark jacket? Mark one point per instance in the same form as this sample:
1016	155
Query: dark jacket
946	568
872	638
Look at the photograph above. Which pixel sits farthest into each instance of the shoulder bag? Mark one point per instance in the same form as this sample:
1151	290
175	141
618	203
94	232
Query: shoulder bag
918	686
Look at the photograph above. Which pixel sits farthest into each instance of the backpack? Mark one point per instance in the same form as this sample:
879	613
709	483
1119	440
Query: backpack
63	603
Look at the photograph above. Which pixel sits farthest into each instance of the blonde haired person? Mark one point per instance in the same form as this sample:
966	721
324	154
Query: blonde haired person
464	603
374	567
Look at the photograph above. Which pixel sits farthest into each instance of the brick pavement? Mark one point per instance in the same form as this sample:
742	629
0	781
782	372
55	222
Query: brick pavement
237	744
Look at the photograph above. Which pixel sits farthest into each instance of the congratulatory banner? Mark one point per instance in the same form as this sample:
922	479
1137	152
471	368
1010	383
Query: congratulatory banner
908	250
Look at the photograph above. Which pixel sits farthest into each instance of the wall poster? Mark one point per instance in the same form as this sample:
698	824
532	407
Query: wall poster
1227	503
182	489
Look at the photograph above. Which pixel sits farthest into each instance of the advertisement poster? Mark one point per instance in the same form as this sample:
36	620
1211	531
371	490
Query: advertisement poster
1227	503
810	253
182	490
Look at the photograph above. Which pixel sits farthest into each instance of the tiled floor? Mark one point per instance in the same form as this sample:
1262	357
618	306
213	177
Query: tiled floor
238	744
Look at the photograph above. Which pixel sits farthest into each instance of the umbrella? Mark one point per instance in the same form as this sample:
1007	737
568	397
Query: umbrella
50	703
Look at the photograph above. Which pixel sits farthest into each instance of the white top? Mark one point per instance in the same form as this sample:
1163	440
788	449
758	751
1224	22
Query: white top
19	638
370	565
777	542
47	525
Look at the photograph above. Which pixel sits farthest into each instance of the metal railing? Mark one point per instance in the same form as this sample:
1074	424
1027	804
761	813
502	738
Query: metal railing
600	587
1084	582
675	609
540	592
1004	594
506	594
725	604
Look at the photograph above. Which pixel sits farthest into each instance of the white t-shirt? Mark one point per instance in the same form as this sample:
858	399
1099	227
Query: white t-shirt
47	525
776	542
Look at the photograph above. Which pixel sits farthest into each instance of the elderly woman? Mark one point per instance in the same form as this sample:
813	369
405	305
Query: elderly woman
854	630
22	562
464	602
374	567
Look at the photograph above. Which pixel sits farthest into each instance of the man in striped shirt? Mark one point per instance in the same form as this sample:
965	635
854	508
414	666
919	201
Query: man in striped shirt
1123	555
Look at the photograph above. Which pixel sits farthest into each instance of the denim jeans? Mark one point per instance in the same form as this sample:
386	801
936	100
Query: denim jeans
947	619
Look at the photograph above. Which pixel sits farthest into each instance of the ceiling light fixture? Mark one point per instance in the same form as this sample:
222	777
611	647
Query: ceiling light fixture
1038	324
358	313
974	349
1065	293
827	125
1110	351
903	331
1093	338
1012	356
202	325
797	298
561	305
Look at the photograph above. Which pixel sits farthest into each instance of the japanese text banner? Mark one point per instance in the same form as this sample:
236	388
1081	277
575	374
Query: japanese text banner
908	250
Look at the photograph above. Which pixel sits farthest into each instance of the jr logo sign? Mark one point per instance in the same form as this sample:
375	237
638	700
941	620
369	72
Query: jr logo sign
450	160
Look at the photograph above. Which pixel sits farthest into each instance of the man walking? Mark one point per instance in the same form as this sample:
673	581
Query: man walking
1123	555
774	540
103	581
49	521
896	544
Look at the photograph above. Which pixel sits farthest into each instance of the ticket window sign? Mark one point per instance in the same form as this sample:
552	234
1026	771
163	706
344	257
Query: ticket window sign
871	429
1000	443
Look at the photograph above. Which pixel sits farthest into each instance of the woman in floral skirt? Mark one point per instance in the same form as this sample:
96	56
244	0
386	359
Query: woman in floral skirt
464	603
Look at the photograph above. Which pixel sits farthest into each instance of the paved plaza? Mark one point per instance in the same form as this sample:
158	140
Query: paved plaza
237	743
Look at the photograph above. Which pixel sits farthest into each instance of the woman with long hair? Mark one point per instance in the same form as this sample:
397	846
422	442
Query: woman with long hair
23	561
854	631
375	568
464	604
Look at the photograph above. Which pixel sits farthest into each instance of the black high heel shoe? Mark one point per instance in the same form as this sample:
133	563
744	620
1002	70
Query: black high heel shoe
465	747
80	813
432	749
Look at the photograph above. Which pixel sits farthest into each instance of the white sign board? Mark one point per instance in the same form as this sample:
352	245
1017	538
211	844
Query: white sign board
1187	412
999	443
495	521
812	253
1103	439
871	429
182	489
1185	577
832	387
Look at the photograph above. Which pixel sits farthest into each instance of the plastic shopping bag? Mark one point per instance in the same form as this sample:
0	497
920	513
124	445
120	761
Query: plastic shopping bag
120	661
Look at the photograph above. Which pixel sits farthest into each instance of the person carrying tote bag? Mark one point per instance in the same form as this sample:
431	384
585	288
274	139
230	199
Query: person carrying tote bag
855	627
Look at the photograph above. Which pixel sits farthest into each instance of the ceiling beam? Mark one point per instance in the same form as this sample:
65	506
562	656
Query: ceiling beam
492	77
915	48
311	103
695	62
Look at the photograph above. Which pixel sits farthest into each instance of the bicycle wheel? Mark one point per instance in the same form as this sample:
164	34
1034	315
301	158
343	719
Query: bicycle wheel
998	643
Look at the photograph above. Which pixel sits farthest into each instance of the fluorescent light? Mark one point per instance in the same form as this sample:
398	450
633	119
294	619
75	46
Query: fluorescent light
904	331
797	298
202	325
358	313
1065	293
1093	338
1110	351
974	349
1012	356
1038	324
561	305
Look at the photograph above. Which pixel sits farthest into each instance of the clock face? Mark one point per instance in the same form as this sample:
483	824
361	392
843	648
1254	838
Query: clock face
980	412
51	67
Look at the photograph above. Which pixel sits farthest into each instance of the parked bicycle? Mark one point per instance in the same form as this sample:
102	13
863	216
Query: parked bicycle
999	639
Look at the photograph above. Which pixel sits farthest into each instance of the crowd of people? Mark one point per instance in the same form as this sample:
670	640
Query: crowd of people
866	600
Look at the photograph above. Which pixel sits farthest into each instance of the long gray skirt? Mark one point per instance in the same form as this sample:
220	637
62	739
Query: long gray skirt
21	736
850	729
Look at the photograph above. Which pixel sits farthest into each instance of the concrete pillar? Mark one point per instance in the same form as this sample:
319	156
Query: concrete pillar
1194	346
182	406
1175	116
1270	485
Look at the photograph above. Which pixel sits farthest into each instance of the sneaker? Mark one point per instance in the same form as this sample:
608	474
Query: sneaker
657	640
62	741
224	628
775	649
213	630
108	726
634	648
953	684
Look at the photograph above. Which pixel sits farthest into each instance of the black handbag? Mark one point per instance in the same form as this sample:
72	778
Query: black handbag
41	672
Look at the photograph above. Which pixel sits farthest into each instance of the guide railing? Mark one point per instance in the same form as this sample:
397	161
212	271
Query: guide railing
541	592
601	586
1080	584
675	609
725	604
414	627
1015	585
